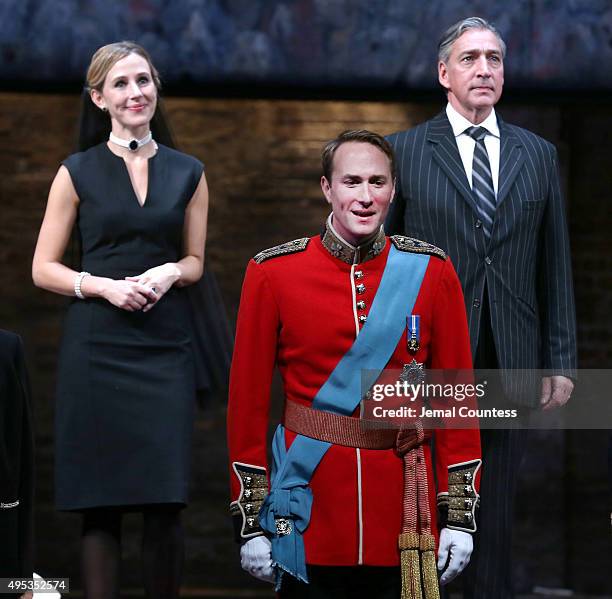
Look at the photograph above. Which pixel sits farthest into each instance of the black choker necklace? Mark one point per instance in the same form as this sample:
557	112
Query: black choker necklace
131	145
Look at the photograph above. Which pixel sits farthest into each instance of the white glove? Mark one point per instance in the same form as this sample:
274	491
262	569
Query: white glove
455	548
256	558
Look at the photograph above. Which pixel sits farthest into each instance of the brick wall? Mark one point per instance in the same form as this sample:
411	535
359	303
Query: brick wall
262	160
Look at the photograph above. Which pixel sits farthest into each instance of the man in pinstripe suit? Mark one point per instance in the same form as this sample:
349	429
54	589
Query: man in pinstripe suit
488	193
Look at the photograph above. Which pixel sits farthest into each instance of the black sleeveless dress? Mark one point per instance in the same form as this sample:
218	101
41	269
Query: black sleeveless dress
126	383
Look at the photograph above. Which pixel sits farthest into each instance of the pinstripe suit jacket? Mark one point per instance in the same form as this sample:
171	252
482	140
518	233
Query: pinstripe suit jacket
526	263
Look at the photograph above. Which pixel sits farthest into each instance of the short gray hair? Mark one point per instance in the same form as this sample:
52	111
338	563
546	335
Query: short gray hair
458	29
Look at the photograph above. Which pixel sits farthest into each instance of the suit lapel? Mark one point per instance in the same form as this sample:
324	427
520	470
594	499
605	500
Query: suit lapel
511	159
446	154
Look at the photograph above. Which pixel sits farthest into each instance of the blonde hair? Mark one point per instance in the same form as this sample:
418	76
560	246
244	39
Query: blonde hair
105	58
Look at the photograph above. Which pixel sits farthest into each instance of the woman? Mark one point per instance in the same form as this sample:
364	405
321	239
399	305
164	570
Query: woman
126	380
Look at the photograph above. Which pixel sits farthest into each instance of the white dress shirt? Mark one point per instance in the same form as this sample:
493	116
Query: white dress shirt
466	144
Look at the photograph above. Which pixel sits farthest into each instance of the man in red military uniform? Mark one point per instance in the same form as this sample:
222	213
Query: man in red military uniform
338	499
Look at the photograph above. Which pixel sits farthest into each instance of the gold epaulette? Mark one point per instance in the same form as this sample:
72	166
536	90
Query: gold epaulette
410	244
297	245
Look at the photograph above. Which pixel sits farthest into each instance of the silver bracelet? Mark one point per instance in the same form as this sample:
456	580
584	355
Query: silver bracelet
77	284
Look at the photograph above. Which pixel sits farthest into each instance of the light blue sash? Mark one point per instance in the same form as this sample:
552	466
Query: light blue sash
290	498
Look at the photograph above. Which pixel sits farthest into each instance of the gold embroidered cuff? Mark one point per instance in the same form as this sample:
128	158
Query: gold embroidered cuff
253	490
459	506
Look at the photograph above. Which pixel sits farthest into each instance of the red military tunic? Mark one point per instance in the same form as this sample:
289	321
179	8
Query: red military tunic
302	305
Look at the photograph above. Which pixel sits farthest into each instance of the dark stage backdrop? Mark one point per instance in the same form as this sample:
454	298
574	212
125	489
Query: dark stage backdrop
305	43
262	161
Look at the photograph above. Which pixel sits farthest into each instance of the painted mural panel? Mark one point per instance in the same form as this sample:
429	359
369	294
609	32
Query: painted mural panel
306	43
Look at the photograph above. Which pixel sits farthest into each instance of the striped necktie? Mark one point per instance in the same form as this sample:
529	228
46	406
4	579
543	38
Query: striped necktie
482	181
